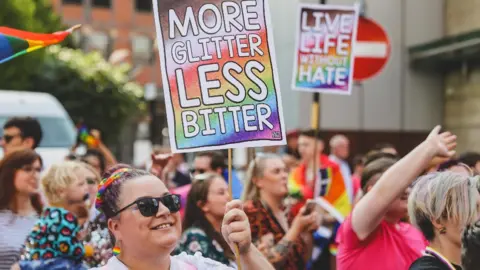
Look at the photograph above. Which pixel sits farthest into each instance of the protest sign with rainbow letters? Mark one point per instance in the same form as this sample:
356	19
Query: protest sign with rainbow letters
219	74
324	52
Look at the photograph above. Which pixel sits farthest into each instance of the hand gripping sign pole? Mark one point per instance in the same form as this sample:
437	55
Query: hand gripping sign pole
237	253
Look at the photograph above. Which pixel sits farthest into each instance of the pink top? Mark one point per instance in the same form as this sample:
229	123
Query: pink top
390	246
356	184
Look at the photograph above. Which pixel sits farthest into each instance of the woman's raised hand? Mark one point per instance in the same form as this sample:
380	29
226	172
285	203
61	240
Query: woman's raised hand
443	144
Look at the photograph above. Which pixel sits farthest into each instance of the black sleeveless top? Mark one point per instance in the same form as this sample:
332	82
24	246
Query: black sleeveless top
430	263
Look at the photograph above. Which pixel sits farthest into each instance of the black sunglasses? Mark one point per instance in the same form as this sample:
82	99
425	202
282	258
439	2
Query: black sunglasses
200	171
9	138
148	206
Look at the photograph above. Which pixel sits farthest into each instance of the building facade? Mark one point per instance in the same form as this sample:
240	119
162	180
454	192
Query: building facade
454	57
400	105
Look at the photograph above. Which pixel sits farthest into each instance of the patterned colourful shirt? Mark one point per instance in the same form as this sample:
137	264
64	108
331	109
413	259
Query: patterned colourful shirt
195	240
55	236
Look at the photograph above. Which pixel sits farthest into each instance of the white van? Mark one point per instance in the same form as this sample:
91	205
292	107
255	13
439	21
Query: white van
59	132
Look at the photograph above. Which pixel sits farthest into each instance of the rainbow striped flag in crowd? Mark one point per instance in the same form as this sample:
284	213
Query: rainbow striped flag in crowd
331	194
15	42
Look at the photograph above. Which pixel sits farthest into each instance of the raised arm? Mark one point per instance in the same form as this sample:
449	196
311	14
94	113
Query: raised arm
371	209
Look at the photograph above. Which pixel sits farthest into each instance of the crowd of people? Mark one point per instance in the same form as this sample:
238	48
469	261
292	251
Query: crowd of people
296	208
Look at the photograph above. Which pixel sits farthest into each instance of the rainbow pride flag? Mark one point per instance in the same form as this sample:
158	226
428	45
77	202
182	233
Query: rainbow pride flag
15	42
332	189
85	136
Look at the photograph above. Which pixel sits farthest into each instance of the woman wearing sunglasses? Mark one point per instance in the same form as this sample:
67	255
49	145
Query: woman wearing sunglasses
204	213
20	203
145	224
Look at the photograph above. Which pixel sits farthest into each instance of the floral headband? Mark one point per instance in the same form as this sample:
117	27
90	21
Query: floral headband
106	182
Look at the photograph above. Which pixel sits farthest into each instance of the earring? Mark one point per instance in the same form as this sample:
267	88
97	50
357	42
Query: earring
443	230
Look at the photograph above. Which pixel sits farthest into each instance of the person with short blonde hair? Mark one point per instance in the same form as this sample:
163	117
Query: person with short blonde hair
441	205
62	179
56	238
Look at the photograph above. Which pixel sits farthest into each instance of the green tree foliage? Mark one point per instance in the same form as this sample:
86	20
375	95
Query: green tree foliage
28	15
90	88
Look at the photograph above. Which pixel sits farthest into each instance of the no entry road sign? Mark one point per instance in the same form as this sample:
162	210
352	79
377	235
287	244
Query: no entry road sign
372	49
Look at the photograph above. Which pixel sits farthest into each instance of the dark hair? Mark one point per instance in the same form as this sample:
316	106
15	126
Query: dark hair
471	247
358	160
378	166
470	158
383	145
448	164
8	169
195	217
110	196
96	153
71	157
374	155
217	159
29	128
310	133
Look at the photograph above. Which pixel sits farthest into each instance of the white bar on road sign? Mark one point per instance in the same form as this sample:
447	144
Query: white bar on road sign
371	49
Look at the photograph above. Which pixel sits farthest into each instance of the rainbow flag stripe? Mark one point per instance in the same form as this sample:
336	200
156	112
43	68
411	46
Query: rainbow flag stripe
333	190
15	42
85	137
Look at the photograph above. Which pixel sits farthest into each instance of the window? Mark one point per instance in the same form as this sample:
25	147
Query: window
142	49
97	41
102	3
74	2
143	5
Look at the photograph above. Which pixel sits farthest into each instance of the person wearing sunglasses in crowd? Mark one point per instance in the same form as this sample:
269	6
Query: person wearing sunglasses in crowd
55	242
21	133
441	205
202	224
20	204
287	242
144	223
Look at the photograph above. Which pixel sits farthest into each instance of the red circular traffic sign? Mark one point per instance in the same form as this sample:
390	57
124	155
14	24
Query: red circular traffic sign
372	49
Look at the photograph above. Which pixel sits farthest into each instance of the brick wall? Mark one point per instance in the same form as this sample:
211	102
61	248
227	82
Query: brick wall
461	16
124	19
462	88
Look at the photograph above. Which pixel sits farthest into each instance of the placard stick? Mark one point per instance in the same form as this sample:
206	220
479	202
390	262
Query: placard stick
237	253
315	126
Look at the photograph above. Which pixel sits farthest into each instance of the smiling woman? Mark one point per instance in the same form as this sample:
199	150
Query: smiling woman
19	202
145	224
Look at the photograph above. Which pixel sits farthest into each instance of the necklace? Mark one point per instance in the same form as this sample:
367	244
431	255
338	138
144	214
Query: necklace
436	254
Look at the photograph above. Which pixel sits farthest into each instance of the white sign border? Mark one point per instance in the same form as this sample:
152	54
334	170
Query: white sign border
355	8
169	108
